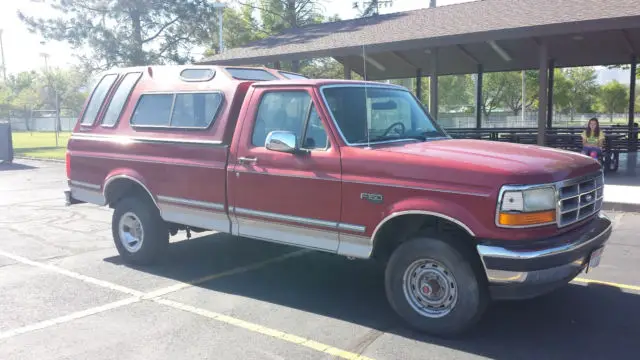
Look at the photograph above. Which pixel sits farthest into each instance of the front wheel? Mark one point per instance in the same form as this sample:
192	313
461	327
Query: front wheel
139	232
432	285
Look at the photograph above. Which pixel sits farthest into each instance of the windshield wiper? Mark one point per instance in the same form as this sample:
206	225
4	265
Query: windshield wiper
389	138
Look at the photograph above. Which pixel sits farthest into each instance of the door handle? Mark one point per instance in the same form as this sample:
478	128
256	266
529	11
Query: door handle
246	160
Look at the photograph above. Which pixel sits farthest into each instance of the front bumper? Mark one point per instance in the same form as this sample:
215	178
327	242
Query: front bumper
524	270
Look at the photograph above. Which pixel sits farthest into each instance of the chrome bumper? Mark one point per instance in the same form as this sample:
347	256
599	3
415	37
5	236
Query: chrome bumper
527	270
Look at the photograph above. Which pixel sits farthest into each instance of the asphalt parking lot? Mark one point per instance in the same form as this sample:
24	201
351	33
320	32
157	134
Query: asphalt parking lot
64	294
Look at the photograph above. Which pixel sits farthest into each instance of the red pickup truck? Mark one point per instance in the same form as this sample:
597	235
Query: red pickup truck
358	169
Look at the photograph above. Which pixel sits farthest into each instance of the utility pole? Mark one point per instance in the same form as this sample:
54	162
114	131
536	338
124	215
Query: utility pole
2	64
524	94
220	7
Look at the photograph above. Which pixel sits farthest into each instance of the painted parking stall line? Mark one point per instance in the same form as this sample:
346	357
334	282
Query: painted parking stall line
277	334
156	295
239	270
72	274
607	283
67	318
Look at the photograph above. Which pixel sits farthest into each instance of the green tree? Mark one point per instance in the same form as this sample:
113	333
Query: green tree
127	32
36	90
494	86
562	96
512	95
278	15
613	98
455	92
583	90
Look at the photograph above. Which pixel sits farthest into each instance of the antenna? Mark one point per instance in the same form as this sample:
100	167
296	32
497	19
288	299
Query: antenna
366	94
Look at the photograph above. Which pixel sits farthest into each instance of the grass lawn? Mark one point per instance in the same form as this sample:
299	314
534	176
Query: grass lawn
40	144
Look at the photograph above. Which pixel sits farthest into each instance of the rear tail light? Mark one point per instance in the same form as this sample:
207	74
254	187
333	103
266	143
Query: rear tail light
68	164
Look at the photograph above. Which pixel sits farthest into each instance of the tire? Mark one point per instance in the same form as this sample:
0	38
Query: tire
466	298
153	236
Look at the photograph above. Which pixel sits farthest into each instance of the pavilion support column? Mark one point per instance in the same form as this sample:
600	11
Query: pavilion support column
479	97
419	84
633	136
433	85
347	70
552	68
543	91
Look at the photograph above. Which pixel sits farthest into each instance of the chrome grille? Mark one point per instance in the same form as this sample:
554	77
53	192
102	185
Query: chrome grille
579	198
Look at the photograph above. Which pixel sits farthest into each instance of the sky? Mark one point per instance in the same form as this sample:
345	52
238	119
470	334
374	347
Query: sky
23	50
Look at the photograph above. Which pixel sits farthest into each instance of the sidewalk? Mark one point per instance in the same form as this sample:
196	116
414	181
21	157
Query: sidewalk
624	198
622	188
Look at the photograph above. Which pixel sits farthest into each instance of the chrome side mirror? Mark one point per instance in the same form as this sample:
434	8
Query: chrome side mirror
282	141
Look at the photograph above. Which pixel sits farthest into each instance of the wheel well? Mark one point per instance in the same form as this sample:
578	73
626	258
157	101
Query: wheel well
123	187
402	228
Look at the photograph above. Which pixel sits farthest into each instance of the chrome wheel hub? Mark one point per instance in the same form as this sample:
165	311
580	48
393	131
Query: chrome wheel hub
430	288
130	232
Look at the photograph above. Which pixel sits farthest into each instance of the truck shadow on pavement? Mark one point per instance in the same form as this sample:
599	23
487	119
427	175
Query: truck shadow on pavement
4	166
574	322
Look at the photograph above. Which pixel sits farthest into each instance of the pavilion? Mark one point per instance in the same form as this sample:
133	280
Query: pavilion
474	37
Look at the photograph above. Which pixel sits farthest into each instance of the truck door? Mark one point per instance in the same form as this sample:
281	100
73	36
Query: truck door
280	196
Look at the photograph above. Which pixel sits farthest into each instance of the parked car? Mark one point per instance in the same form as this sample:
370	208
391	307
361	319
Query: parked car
358	169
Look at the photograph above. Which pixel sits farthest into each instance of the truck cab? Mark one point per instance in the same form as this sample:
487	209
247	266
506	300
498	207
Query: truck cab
357	169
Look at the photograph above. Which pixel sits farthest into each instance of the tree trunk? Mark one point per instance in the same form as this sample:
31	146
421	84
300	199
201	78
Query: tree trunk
138	57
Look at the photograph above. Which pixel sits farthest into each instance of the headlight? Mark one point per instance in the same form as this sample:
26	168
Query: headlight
529	207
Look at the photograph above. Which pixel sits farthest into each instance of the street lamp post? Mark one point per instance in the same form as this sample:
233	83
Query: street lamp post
52	86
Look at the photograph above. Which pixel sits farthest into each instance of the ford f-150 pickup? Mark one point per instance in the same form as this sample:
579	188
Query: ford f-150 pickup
358	169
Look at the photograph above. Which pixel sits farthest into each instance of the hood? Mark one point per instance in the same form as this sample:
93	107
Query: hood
519	163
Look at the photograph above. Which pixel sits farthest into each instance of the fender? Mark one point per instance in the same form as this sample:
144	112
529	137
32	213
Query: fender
439	207
124	173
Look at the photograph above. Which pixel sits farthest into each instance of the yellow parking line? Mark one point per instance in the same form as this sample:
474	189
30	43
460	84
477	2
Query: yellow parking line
265	330
618	285
238	270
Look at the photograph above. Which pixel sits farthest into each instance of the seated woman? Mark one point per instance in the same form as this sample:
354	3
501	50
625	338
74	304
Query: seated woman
593	139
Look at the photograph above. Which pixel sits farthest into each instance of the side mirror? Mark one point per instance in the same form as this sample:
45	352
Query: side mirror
282	141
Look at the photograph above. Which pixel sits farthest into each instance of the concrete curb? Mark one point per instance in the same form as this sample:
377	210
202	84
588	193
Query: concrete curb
39	159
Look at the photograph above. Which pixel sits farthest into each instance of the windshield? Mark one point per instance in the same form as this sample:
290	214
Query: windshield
387	113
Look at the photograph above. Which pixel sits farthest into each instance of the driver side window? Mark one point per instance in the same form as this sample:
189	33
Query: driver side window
315	135
288	111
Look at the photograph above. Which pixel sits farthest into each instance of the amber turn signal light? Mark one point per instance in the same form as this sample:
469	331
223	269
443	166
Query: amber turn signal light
524	219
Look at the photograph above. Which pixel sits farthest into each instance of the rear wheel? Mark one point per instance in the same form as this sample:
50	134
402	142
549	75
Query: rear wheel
432	285
140	234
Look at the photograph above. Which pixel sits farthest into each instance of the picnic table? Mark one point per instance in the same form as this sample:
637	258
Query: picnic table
617	139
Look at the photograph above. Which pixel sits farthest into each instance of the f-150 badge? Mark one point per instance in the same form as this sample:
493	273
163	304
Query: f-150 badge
374	198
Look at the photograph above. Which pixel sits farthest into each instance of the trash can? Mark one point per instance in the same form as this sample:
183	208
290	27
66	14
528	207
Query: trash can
6	145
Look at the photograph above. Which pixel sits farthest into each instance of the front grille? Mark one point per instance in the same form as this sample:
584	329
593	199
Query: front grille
578	199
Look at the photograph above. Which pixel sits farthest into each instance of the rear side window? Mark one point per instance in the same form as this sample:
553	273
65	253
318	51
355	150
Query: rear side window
97	98
153	110
182	110
119	99
250	74
195	110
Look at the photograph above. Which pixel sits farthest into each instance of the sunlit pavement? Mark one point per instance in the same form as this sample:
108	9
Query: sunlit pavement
64	294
